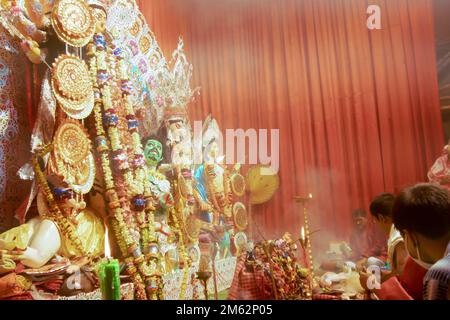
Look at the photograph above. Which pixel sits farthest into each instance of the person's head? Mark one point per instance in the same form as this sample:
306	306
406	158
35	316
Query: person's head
381	210
359	218
422	214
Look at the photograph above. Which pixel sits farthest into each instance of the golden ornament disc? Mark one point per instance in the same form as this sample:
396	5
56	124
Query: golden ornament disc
73	22
72	143
71	77
72	86
237	184
75	109
240	216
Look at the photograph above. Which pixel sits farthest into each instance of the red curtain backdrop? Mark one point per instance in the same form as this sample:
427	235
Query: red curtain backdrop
358	110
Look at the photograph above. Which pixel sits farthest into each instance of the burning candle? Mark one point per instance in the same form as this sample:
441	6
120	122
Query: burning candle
109	274
303	243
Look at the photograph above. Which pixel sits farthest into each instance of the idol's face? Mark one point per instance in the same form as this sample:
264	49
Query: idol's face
153	152
212	152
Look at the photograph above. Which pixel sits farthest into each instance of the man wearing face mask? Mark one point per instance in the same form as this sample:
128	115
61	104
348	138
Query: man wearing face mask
422	214
403	279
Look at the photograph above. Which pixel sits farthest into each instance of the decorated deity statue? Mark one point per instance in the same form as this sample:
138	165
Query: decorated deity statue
159	184
213	191
165	221
217	191
176	89
179	144
212	183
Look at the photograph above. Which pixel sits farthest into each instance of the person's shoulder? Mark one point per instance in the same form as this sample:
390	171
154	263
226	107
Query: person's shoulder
437	281
440	270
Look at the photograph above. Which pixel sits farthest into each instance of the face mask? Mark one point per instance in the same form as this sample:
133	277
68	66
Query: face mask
418	260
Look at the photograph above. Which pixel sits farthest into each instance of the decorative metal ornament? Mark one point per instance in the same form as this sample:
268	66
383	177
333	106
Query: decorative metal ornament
72	143
73	159
72	86
71	76
262	182
240	216
237	184
73	22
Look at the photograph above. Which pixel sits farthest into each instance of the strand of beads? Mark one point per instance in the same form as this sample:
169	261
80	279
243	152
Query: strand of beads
181	247
135	178
97	66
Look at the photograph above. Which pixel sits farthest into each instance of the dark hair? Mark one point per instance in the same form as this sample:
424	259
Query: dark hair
425	209
381	205
358	213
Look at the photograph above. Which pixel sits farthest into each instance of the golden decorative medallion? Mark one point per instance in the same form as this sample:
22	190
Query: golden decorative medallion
72	86
73	22
237	184
72	157
72	142
240	216
72	77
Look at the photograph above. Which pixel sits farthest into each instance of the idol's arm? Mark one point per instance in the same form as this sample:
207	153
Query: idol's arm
44	245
